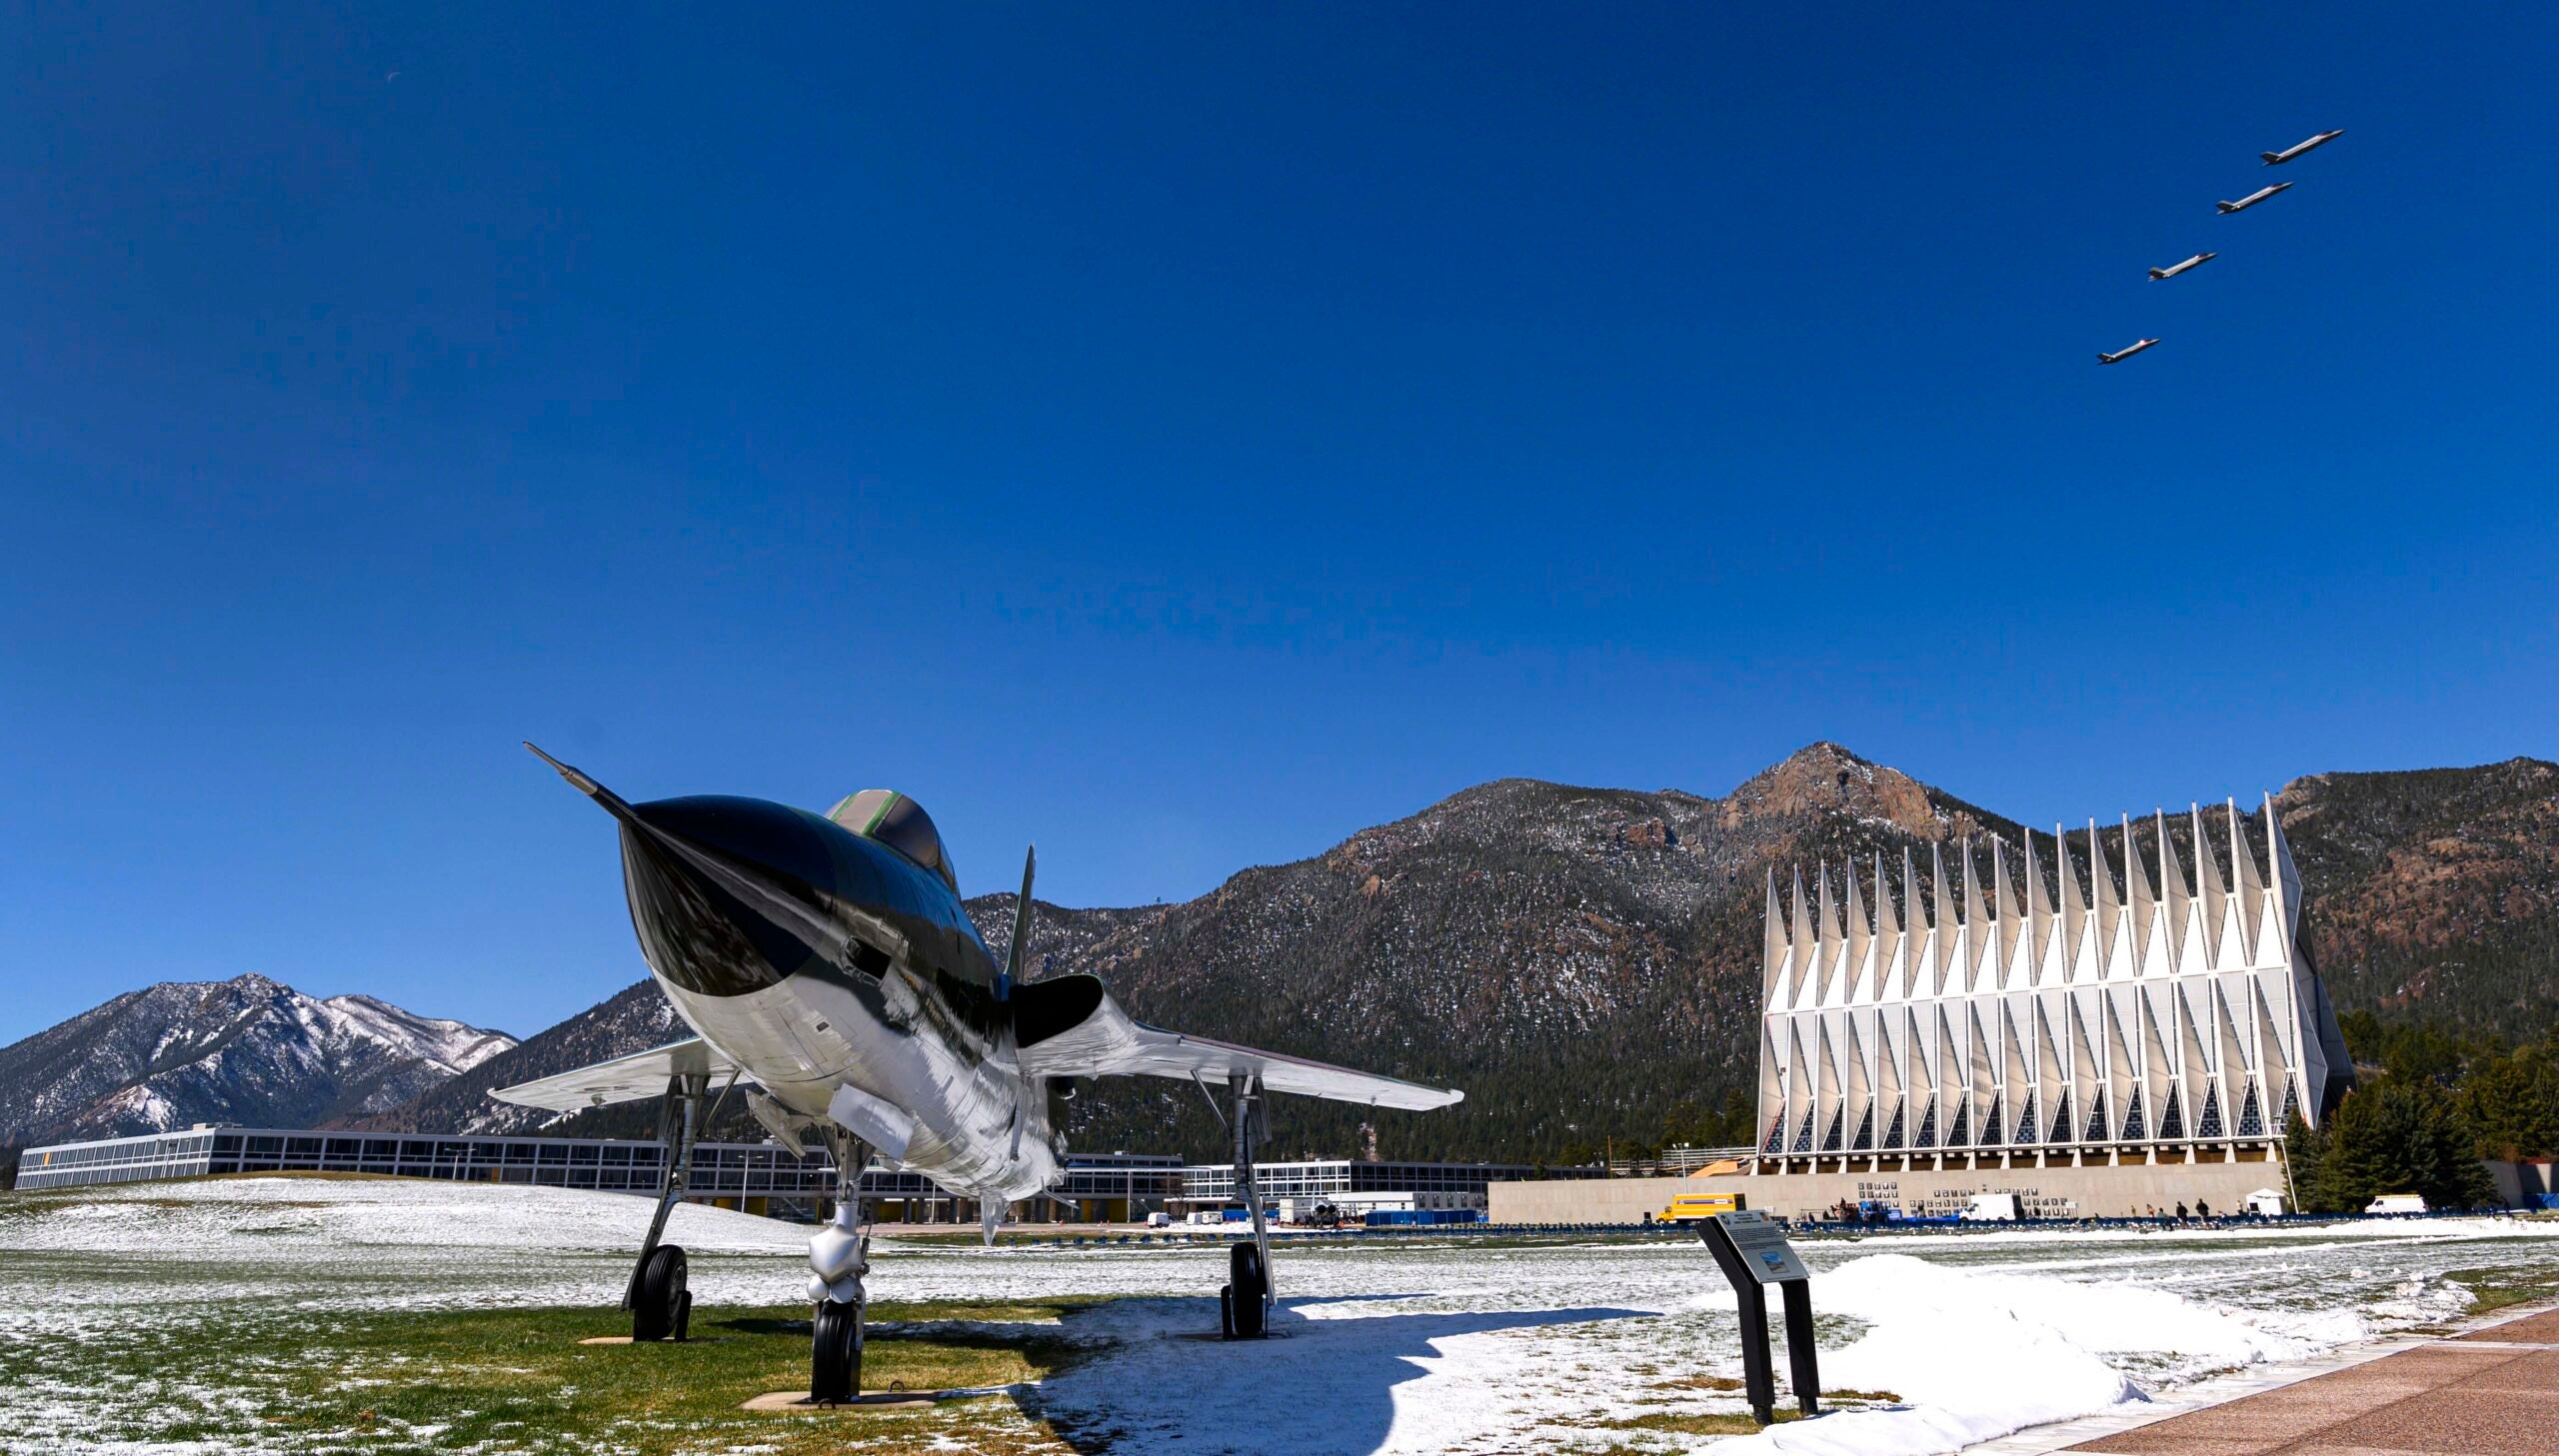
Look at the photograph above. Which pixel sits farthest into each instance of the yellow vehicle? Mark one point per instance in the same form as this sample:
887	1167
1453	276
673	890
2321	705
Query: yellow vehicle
1690	1207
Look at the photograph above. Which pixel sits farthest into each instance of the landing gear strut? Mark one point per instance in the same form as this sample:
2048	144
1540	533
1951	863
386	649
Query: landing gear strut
1243	1306
839	1255
661	1307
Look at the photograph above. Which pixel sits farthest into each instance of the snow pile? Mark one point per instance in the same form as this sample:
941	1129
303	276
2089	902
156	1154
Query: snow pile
277	1218
1977	1354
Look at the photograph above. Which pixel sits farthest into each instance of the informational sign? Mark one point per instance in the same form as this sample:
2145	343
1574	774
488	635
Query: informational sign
1764	1247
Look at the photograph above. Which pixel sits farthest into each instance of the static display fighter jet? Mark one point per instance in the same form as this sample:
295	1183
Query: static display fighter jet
2120	355
2173	268
827	962
2251	200
2278	158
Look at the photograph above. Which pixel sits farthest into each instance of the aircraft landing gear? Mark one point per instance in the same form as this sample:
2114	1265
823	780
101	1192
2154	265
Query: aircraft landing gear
838	1256
1243	1305
661	1307
834	1358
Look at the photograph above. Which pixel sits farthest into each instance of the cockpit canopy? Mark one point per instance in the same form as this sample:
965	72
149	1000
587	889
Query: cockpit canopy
892	818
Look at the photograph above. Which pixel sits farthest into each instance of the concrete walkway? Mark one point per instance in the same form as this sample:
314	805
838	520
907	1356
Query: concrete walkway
2491	1392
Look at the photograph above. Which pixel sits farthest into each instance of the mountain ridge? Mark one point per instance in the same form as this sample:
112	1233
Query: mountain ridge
249	1050
1584	960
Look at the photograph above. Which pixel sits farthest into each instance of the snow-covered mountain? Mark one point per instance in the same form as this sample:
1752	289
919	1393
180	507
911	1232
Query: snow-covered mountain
247	1050
634	1020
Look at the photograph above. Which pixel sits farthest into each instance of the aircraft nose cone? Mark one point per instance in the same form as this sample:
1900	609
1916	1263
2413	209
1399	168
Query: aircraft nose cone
721	892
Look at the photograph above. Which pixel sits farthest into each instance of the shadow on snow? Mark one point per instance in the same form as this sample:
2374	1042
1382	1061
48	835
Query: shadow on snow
1316	1387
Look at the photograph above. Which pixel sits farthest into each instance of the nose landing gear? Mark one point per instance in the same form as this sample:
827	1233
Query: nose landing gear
838	1257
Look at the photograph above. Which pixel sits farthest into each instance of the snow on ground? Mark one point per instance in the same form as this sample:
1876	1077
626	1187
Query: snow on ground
238	1217
1409	1346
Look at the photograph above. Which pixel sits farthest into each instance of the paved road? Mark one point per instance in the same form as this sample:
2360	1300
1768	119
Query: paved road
2492	1392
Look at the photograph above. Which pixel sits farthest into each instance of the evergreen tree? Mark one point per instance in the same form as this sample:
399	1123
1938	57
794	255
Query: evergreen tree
2401	1135
2512	1104
2302	1149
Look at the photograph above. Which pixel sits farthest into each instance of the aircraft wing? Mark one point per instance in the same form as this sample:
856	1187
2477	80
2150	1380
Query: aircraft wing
1071	1029
622	1079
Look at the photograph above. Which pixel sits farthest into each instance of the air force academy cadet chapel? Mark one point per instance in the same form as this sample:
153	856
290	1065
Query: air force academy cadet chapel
2067	1016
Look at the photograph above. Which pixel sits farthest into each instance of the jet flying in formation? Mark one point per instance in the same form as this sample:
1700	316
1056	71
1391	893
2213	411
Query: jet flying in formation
827	962
2251	200
2278	158
2271	159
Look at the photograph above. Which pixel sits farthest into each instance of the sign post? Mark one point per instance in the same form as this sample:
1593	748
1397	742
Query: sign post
1754	1253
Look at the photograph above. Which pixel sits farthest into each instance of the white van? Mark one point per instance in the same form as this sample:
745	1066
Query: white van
1992	1208
1158	1219
2397	1203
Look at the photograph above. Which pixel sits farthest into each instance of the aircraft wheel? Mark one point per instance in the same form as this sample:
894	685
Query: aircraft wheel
660	1308
835	1357
1249	1281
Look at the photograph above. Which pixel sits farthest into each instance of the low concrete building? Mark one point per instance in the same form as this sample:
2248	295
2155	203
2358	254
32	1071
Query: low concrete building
1917	1186
2531	1183
1358	1187
758	1177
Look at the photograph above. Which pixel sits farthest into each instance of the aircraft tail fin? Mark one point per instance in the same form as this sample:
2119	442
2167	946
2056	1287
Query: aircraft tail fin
1021	923
2158	273
2271	158
2225	207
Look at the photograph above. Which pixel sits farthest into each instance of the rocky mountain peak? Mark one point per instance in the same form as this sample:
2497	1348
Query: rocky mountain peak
1825	776
250	1049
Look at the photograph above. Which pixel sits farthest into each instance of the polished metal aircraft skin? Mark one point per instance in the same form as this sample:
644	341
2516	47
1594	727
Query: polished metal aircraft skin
2173	268
2278	158
829	960
2251	200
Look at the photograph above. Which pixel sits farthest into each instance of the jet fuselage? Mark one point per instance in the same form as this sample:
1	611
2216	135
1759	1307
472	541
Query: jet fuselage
2278	158
817	959
2251	200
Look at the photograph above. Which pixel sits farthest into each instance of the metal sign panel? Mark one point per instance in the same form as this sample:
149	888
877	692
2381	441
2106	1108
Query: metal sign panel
1764	1247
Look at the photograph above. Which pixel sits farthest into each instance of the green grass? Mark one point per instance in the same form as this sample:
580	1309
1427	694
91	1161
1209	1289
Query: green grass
520	1381
2496	1290
1719	1423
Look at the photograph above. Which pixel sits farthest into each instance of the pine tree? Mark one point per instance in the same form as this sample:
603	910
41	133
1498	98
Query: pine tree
2512	1104
2401	1135
2302	1152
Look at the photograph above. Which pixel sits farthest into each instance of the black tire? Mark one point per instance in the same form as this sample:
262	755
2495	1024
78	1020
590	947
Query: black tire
657	1307
1248	1280
684	1317
835	1352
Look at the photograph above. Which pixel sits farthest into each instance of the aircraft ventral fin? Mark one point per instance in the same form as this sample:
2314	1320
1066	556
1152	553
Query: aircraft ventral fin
622	1079
1070	1028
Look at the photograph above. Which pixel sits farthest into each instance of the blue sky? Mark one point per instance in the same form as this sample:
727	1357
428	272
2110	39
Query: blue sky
1186	436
